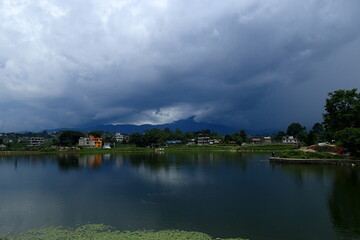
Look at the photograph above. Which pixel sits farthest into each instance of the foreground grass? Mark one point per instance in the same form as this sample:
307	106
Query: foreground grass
103	232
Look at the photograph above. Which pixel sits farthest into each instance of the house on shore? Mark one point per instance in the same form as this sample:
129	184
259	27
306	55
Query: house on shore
86	142
36	141
90	142
256	141
290	139
119	137
203	140
267	140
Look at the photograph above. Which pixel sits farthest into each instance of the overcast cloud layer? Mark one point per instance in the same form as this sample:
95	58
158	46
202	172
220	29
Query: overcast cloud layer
248	64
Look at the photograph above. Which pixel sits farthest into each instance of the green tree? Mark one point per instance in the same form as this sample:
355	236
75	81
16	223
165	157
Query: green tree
154	137
295	129
239	137
228	138
279	136
342	110
310	138
69	138
138	139
350	139
318	128
96	133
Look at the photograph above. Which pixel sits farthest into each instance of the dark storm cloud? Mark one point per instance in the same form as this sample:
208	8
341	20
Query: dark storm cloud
250	64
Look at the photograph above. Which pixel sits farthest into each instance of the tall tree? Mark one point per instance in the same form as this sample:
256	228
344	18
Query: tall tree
279	136
69	138
342	110
96	133
294	129
318	128
350	139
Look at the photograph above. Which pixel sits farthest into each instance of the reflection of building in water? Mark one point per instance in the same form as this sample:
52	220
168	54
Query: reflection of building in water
91	160
119	160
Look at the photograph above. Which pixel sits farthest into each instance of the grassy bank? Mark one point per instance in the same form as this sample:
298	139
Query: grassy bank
174	148
102	232
297	154
267	147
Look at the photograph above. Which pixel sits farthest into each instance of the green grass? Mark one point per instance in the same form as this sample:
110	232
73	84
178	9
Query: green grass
103	232
267	147
173	148
308	155
201	148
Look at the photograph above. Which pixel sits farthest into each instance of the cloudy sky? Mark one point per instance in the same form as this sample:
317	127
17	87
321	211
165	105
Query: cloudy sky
250	64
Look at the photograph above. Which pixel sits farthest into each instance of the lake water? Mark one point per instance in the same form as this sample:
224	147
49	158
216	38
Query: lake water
224	194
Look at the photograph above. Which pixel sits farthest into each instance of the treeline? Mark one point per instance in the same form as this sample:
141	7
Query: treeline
341	123
314	135
156	137
153	137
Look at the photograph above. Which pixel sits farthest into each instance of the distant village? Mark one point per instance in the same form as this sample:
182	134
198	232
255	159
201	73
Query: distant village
109	140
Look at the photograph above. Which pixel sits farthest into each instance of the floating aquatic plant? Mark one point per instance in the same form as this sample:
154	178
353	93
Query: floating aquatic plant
103	232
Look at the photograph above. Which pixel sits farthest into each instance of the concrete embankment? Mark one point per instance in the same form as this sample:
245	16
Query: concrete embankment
315	161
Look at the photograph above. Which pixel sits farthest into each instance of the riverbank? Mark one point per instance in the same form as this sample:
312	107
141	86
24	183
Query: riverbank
233	148
99	231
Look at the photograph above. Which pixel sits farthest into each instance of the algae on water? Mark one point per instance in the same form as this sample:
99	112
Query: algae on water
103	232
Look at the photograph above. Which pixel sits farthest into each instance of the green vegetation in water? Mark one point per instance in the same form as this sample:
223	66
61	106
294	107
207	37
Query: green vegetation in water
103	232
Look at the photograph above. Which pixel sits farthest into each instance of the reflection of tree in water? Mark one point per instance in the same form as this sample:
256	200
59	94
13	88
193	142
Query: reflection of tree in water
344	203
300	172
68	161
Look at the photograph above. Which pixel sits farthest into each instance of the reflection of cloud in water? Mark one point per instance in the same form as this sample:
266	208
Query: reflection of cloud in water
172	176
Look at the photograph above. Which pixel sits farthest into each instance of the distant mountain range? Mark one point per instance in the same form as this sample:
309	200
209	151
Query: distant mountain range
185	125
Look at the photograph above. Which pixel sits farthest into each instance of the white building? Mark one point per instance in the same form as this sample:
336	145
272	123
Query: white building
119	137
86	142
203	140
36	141
289	139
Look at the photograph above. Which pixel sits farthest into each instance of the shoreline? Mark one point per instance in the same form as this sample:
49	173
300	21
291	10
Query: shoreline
315	161
134	149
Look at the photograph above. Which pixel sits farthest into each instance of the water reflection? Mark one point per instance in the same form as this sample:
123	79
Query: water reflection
220	193
344	202
343	195
129	191
153	161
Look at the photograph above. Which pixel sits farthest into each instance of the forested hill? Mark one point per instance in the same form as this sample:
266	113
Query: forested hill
186	125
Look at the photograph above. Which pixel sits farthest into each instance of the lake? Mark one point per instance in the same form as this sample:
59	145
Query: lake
223	194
